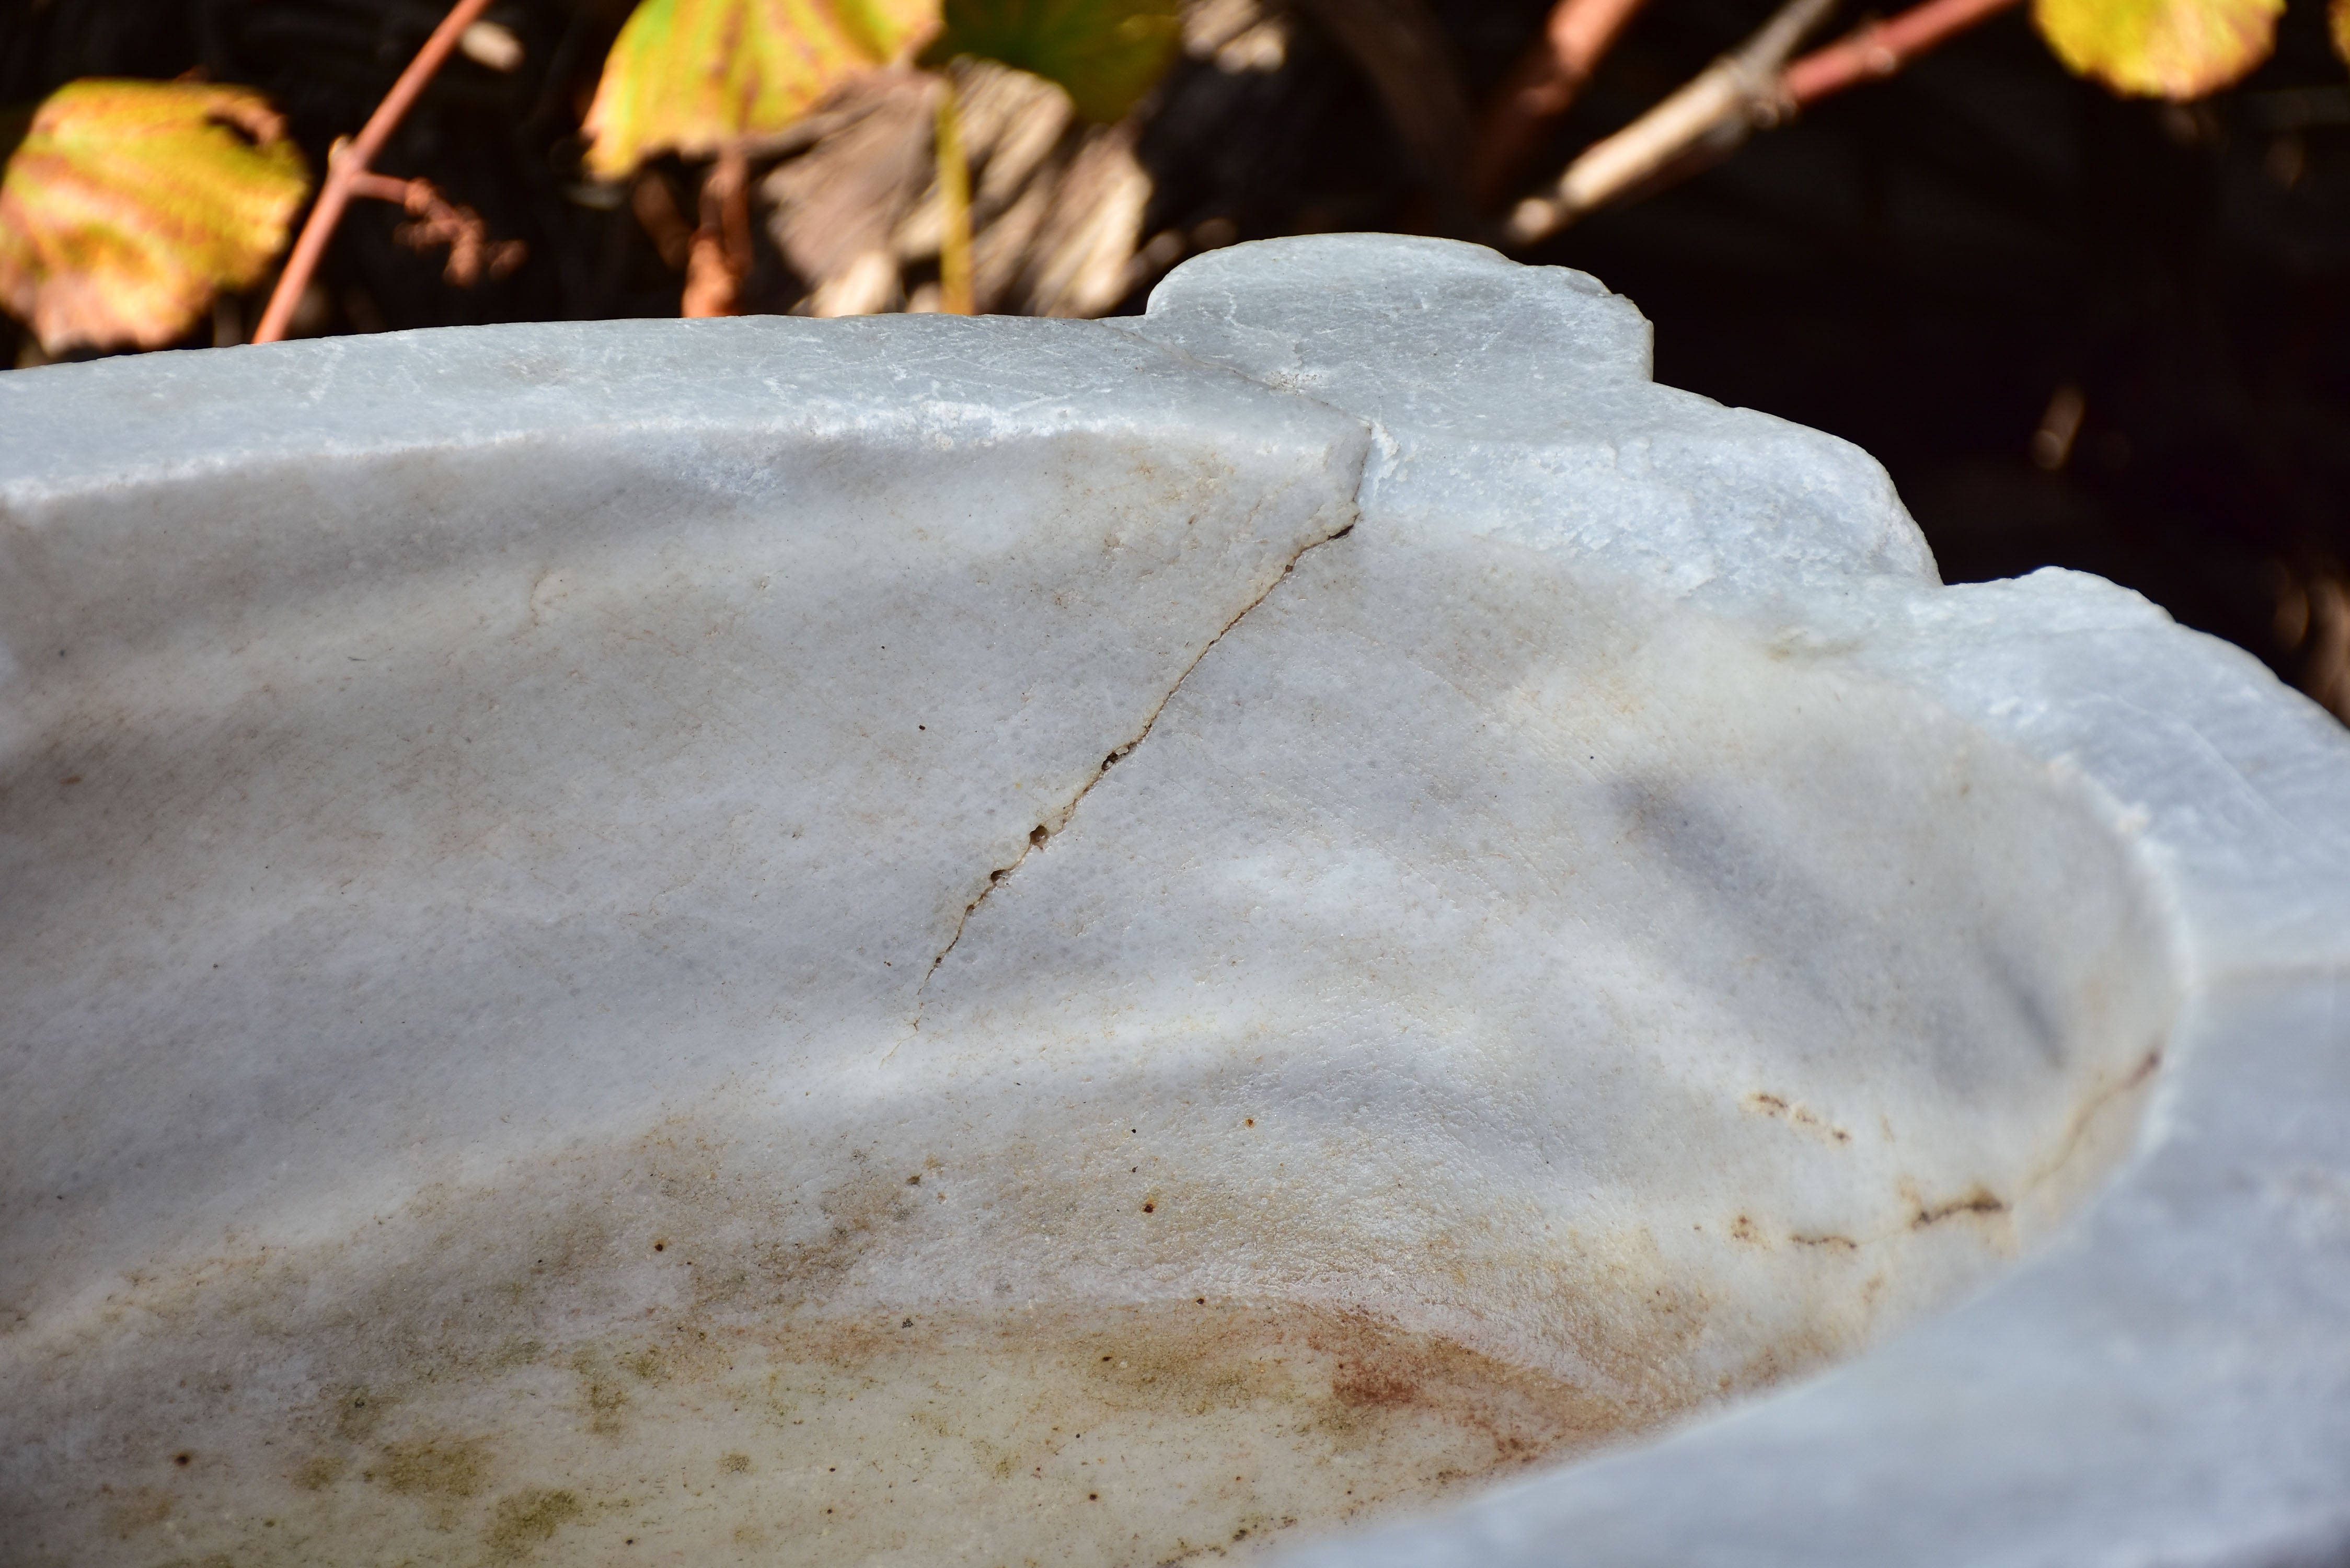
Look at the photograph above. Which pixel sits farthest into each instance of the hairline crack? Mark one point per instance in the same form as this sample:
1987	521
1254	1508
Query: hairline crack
1061	819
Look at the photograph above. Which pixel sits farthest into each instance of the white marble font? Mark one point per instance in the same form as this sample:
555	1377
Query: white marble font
914	940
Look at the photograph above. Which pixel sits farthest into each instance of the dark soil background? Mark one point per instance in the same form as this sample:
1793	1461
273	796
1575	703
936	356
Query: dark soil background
1926	266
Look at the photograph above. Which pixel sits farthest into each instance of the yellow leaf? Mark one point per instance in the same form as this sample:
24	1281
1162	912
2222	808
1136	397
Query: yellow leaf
692	75
2160	48
2339	15
127	205
1106	53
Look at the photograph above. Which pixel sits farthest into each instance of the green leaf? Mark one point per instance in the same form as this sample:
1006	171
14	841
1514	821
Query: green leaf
2159	48
127	205
1106	53
692	75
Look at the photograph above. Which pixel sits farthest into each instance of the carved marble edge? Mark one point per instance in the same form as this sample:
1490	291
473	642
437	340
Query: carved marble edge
2168	1383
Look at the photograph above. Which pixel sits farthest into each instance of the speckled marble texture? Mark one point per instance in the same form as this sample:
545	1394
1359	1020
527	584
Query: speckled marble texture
1323	922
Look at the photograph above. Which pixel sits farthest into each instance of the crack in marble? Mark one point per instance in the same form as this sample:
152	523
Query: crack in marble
1044	831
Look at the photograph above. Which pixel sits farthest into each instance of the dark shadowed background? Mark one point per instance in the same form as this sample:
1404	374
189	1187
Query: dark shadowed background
2079	330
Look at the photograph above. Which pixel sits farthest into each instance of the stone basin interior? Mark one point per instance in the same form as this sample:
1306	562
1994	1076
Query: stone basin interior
732	1021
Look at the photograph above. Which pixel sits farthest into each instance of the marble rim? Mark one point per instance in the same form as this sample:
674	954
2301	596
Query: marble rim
2169	1380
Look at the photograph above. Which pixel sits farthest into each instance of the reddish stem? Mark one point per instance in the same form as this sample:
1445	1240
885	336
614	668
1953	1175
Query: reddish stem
437	222
367	185
1715	110
344	169
1877	49
1544	85
718	258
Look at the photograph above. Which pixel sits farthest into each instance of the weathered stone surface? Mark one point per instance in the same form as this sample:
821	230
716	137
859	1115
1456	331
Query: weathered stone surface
913	940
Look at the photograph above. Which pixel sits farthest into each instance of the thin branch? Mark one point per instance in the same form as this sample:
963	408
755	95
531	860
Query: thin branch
1543	86
438	222
348	161
368	187
1707	117
1876	50
655	206
719	256
954	202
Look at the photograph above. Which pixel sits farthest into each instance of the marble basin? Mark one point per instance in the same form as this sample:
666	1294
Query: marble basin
1323	922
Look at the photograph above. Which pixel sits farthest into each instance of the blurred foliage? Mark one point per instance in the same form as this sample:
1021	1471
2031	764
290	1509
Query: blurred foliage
692	77
118	224
706	78
698	77
2079	329
1104	53
2177	49
125	206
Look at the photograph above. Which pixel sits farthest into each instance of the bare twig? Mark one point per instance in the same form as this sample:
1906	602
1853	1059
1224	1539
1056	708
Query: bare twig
655	206
1707	117
719	256
1543	86
438	222
2326	673
2313	618
352	161
1876	50
954	198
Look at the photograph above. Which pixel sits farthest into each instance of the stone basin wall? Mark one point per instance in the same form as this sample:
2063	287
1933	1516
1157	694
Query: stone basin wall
916	940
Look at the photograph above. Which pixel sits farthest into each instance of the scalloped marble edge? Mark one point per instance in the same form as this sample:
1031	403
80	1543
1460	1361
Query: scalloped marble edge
2169	1381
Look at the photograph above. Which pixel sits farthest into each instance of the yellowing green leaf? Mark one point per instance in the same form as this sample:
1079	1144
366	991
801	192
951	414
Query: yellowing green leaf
1106	53
2160	48
692	75
127	205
